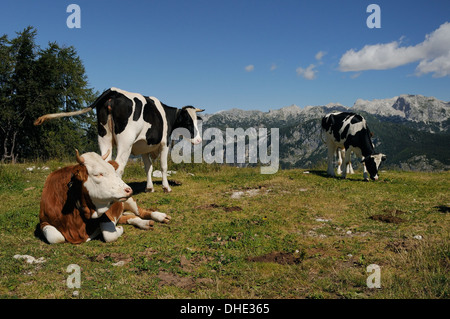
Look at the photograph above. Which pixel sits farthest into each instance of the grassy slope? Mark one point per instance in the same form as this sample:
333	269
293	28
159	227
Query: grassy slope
323	222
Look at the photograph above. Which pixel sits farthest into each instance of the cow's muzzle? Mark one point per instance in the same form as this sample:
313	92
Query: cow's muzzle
129	192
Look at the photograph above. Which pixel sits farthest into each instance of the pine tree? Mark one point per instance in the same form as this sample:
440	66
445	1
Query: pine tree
34	82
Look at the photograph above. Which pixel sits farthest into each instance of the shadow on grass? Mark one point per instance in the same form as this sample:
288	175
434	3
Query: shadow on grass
324	174
140	187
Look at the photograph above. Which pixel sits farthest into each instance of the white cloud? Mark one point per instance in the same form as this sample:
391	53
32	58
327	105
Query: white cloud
433	54
273	67
319	55
250	68
309	73
439	66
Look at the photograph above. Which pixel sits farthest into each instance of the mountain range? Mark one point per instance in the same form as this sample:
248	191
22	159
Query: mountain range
412	130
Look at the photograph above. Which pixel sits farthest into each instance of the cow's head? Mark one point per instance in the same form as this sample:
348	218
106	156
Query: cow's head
101	182
188	118
372	163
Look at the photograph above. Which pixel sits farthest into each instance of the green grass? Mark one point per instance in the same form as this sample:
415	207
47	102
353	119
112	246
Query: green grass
205	251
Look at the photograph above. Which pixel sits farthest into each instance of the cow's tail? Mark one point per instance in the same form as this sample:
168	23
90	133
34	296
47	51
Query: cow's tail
46	117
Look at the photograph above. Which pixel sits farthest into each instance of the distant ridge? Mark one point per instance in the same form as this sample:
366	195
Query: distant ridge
413	130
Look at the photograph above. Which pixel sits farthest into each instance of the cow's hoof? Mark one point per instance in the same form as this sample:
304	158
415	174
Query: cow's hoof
167	189
167	219
160	217
149	225
150	190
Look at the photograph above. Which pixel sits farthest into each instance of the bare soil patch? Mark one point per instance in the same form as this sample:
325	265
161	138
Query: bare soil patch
399	246
188	283
389	217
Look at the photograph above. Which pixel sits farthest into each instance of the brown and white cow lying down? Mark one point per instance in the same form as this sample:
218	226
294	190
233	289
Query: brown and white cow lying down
83	201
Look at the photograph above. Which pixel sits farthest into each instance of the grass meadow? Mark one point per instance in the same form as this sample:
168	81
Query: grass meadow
238	234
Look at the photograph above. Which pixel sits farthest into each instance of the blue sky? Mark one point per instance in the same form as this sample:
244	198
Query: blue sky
250	54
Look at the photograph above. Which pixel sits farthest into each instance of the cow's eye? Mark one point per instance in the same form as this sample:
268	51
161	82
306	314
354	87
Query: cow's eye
98	175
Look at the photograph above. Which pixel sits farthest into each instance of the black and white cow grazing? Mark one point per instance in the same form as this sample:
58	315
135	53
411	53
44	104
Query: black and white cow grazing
138	125
349	131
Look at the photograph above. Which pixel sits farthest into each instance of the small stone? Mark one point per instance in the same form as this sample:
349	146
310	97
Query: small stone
119	263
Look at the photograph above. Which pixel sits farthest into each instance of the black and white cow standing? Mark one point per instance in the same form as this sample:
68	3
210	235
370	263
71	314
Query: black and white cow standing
138	125
349	131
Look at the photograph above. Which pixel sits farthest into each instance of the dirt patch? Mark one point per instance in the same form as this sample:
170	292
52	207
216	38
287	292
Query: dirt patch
279	258
399	246
188	283
389	217
168	279
189	265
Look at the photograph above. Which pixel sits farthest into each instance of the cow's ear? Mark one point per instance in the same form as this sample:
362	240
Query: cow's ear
383	157
199	118
114	164
80	173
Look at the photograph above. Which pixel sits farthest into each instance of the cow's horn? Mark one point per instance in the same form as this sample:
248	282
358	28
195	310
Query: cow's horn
106	155
80	159
199	110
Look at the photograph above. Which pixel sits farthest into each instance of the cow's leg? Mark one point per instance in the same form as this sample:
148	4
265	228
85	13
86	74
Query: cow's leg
110	232
350	168
148	170
349	165
53	235
348	153
105	143
358	154
164	155
365	173
123	154
137	221
340	155
131	206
